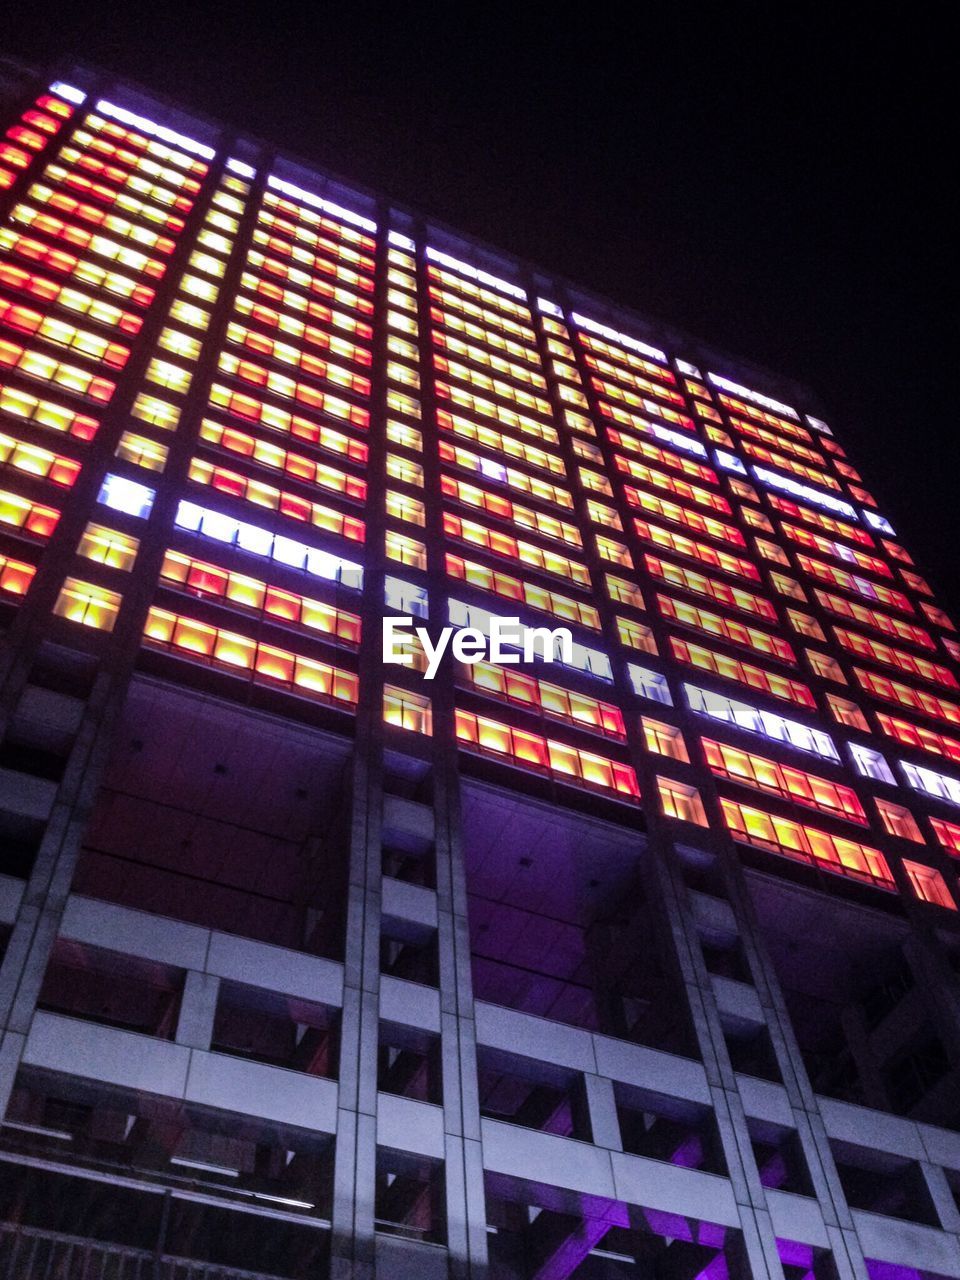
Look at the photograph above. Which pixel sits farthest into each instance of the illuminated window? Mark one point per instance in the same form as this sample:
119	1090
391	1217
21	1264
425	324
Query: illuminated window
264	663
558	703
556	759
649	684
582	658
916	699
407	710
664	739
261	542
754	720
15	576
931	783
405	597
88	604
898	821
128	496
404	470
502	584
108	546
787	586
682	545
903	661
156	412
783	780
624	592
928	884
45	413
916	583
870	763
635	635
141	452
403	507
168	375
852	582
937	616
914	735
805	625
678	800
721	592
948	834
848	713
26	515
825	667
407	550
691	615
896	627
720	664
806	844
771	551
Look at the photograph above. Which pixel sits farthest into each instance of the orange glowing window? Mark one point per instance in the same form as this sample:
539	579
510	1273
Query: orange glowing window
573	708
691	615
406	550
271	455
556	759
721	592
852	582
898	628
929	885
695	520
948	834
876	650
805	625
915	735
898	821
806	844
537	597
672	484
264	663
15	576
916	699
826	667
38	462
26	515
846	712
736	765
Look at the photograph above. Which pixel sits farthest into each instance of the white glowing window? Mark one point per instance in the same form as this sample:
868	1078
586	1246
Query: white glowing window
402	242
624	339
482	277
495	470
317	202
650	684
930	783
879	522
582	658
550	308
690	370
729	461
818	425
804	491
68	92
260	542
870	763
128	496
405	597
154	130
244	170
678	441
756	397
767	723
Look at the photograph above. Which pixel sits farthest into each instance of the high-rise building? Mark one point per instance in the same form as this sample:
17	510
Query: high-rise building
639	963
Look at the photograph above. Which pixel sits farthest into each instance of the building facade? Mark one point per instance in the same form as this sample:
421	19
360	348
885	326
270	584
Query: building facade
639	964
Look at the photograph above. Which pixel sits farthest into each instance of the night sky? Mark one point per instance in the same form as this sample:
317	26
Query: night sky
769	178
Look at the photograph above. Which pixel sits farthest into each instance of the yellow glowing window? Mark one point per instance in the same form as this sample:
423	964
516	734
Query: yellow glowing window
407	550
403	507
598	483
600	513
787	586
207	263
664	739
407	436
26	515
635	635
45	413
88	604
141	451
265	663
156	412
928	884
624	592
679	800
197	287
179	344
108	546
804	625
168	375
407	710
188	313
404	470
